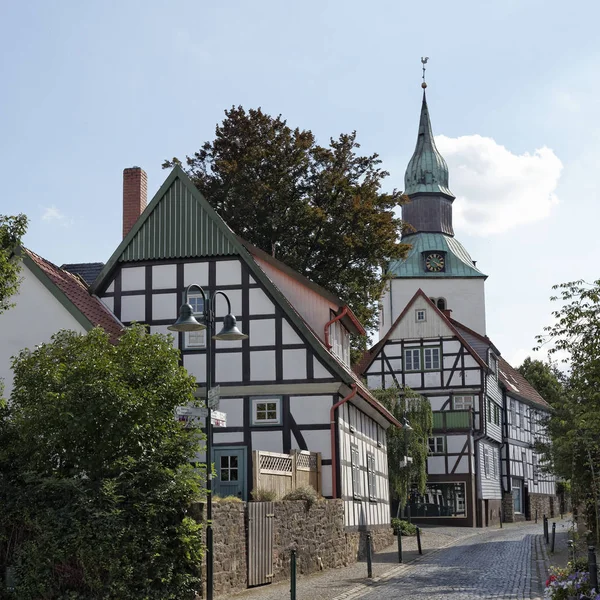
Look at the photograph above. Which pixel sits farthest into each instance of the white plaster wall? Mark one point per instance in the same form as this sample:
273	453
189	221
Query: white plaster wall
133	308
164	306
320	371
195	365
436	465
228	367
235	298
195	273
465	297
164	277
262	332
16	331
109	303
234	407
229	272
294	364
269	441
289	336
228	437
260	303
455	443
262	365
309	410
133	279
409	329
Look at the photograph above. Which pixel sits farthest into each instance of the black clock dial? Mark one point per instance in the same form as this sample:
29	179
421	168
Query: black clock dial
435	262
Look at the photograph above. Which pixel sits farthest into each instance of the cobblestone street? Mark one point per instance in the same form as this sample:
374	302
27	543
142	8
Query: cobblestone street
495	564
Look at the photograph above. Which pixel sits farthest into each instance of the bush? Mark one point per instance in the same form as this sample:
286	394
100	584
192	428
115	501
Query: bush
226	499
406	527
306	493
264	495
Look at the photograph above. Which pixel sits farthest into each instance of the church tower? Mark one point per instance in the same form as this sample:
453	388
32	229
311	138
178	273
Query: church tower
437	262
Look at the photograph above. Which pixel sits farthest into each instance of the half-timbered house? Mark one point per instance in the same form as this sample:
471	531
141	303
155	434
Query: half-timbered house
528	488
287	387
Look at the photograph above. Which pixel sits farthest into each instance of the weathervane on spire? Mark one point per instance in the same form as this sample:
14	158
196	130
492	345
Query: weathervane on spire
424	60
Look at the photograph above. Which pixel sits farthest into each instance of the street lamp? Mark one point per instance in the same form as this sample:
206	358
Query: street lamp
230	331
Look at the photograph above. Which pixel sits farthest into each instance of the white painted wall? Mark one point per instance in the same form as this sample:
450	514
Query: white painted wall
465	297
489	484
16	330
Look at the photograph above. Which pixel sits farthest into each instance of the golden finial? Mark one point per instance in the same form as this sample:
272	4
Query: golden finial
424	60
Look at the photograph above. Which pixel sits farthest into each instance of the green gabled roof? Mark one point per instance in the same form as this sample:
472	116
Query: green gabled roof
178	223
458	261
427	171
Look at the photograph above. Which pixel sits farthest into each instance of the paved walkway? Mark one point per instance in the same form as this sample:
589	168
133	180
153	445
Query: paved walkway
458	564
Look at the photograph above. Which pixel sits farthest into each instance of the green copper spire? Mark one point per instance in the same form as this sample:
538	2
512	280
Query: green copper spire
427	171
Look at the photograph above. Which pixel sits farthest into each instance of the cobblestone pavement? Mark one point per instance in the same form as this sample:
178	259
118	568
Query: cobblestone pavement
495	564
458	563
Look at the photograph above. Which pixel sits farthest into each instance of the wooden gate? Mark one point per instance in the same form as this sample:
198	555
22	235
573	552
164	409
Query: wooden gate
260	543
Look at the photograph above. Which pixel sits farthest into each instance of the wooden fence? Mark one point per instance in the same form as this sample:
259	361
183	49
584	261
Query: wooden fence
283	473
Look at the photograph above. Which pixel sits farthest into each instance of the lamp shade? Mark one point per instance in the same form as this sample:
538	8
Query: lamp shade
230	330
186	320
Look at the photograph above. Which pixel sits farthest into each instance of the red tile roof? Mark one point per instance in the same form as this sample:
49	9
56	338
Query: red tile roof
78	293
517	384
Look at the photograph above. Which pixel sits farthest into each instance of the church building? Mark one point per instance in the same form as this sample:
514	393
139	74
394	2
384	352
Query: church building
433	339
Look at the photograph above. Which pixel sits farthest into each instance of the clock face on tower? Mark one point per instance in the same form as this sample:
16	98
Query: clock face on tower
435	262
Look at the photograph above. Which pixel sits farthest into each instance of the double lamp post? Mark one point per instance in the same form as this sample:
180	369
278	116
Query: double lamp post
188	322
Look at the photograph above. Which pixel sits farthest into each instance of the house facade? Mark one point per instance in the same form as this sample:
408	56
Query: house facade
287	387
433	340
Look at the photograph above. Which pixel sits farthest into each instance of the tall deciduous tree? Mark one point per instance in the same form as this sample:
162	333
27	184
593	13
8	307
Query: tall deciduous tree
575	424
95	478
404	403
12	229
546	378
321	210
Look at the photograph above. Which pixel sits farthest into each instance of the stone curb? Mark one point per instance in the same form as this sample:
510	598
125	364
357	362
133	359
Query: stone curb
361	589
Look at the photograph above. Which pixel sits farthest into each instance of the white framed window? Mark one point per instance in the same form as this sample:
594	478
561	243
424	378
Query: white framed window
420	315
195	339
493	364
463	402
517	493
437	444
266	411
355	466
535	469
513	412
340	342
371	478
431	358
412	359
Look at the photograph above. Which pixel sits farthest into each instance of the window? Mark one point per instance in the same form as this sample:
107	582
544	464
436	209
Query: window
463	402
517	493
439	500
371	476
229	468
412	359
493	364
524	461
535	470
431	358
340	342
489	411
441	303
196	339
486	462
355	465
496	414
436	444
420	315
513	413
266	411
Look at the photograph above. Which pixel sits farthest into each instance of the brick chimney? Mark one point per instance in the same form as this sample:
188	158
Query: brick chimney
448	312
135	196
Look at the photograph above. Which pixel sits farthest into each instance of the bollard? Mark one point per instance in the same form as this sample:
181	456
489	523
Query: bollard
293	576
536	516
369	557
593	567
500	518
545	529
419	540
399	533
553	537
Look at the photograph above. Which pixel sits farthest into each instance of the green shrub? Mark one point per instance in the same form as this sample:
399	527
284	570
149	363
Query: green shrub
226	499
406	527
263	495
306	493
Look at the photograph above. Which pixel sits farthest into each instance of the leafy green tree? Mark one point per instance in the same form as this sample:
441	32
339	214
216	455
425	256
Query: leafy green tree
95	478
321	210
416	409
546	378
12	229
574	426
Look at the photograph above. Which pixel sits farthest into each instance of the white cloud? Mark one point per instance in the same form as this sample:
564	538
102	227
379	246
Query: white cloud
496	189
53	214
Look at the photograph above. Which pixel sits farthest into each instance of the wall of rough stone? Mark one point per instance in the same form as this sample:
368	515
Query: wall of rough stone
317	534
508	509
544	504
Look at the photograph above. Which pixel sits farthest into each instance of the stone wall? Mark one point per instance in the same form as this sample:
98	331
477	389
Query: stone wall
508	509
493	516
316	533
544	504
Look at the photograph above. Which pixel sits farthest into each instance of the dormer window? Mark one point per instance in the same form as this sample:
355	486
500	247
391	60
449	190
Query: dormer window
493	364
340	342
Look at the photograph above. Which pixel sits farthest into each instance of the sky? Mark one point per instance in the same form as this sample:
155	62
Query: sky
90	88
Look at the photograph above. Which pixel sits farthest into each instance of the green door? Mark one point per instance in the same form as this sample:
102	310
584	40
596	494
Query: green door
230	465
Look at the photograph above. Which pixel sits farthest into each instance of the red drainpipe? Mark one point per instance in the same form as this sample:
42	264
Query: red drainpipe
333	448
329	323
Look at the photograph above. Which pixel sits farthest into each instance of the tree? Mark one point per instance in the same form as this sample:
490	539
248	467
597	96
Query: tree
12	229
416	409
546	378
318	209
95	478
574	426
